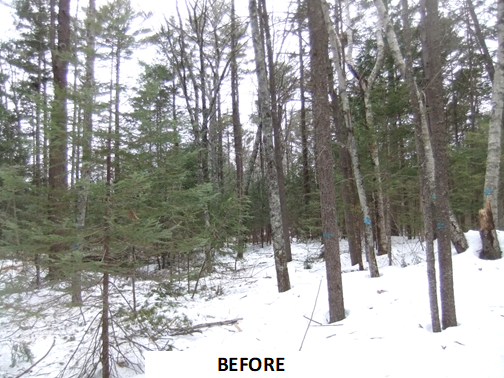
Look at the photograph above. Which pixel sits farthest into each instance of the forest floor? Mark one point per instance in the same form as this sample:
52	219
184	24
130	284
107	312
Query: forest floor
386	333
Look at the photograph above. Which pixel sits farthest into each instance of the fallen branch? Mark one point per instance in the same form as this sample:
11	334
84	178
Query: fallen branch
31	367
314	321
184	331
311	317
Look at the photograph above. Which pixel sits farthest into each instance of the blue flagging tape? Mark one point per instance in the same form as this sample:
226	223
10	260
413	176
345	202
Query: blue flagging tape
326	235
367	221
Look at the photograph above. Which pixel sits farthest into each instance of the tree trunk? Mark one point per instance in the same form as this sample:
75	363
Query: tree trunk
272	176
117	99
277	128
366	86
352	146
253	158
481	40
493	166
431	51
489	245
458	238
87	132
304	137
324	157
58	132
347	184
426	181
237	128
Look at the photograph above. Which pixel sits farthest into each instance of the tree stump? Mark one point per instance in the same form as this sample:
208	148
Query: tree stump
489	242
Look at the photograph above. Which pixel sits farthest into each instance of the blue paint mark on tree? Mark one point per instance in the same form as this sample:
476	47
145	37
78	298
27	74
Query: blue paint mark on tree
367	221
488	192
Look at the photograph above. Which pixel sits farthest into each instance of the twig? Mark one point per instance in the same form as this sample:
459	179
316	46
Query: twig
314	321
311	317
199	275
31	367
80	342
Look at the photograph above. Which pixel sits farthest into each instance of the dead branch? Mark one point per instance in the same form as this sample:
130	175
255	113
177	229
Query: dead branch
192	329
31	367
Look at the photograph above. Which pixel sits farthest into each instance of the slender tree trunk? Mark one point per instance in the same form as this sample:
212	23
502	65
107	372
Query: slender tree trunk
431	43
253	158
304	136
272	176
324	157
366	86
481	40
491	248
277	128
352	146
58	133
427	190
416	97
237	129
87	129
117	104
347	184
105	355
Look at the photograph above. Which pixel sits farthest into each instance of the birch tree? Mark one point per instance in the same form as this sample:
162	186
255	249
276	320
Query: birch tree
269	150
366	84
352	145
276	120
424	152
491	248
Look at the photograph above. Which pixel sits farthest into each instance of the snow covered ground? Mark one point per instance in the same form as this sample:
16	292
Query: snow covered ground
386	333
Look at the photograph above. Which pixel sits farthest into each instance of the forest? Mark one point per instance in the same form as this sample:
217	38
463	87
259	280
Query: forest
125	146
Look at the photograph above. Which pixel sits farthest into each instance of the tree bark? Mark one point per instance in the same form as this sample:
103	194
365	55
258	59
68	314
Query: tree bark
58	140
458	238
352	146
481	40
269	149
237	129
347	184
431	51
277	128
304	137
493	165
366	85
87	135
426	184
324	157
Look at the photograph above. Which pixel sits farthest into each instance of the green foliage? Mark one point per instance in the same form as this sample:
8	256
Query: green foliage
20	352
304	216
467	175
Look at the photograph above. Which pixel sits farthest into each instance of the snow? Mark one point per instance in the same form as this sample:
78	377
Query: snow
386	333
